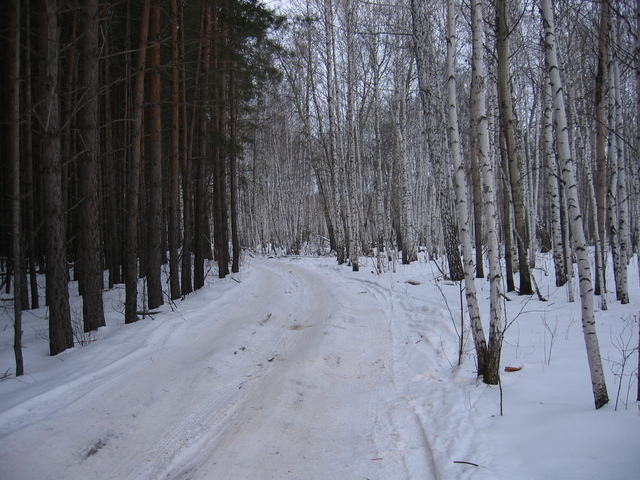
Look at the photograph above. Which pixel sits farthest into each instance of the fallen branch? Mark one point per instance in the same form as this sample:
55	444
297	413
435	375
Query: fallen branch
466	463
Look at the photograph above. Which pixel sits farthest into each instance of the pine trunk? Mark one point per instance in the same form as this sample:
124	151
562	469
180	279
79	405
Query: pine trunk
174	162
154	158
60	332
88	170
13	79
133	187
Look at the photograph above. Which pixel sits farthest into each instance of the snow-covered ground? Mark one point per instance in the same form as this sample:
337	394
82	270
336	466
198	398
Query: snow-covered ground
298	368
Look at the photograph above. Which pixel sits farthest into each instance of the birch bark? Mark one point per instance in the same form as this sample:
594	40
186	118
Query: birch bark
507	124
553	190
622	203
490	209
582	254
462	203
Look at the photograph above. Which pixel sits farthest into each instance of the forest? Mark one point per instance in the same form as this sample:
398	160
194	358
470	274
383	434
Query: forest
147	142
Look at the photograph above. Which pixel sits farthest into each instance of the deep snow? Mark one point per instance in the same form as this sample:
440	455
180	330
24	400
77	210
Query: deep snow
298	368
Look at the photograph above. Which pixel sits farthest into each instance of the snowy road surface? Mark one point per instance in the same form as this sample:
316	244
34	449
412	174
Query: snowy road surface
300	369
287	375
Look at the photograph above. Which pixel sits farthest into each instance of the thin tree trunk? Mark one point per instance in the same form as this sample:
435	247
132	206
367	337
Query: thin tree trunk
131	245
506	121
507	228
13	79
187	177
598	383
601	143
199	171
154	156
622	203
553	190
351	160
27	105
474	168
233	171
174	161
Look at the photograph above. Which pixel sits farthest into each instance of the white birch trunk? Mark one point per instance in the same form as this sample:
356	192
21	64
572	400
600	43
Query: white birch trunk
460	184
553	190
350	187
621	192
598	384
612	191
490	208
406	201
334	161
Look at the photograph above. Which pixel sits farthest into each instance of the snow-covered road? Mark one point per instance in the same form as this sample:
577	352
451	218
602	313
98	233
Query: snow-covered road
298	368
287	375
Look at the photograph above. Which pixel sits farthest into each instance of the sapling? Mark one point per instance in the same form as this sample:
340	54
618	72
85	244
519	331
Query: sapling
553	332
622	343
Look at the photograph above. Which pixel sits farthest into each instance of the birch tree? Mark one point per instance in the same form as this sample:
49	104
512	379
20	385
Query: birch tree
462	204
598	383
553	189
601	143
619	218
490	210
422	39
515	179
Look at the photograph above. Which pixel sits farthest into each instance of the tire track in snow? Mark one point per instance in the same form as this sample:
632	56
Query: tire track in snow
314	414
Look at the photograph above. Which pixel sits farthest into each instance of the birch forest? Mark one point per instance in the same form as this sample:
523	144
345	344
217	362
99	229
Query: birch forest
149	142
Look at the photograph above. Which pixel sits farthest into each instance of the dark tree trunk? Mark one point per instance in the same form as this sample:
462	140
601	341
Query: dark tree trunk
187	179
154	156
200	166
131	245
174	157
60	332
233	172
30	222
88	170
13	74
